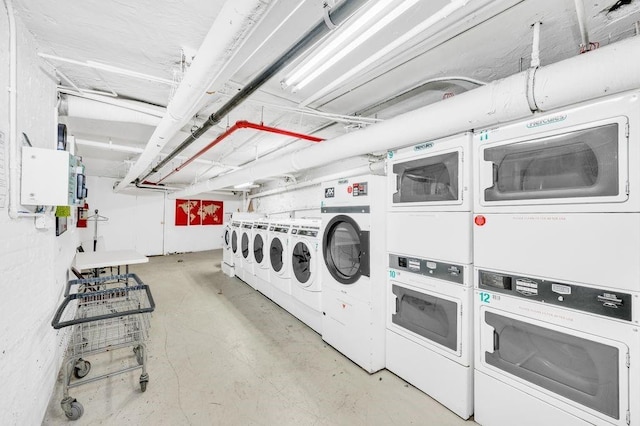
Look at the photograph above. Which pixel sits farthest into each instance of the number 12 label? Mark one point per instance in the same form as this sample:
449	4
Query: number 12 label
484	297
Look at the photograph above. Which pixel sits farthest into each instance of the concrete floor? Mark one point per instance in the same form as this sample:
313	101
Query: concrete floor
221	353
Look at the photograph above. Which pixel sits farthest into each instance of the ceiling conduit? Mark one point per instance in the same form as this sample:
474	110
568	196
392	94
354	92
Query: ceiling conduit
337	15
228	28
237	126
604	71
103	108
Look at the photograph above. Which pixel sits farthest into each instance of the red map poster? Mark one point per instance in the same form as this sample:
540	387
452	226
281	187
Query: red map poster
212	212
194	213
183	207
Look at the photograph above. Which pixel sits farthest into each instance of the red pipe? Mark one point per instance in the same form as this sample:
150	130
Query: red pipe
242	124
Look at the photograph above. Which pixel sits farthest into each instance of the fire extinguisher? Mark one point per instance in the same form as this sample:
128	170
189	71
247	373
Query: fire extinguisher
83	214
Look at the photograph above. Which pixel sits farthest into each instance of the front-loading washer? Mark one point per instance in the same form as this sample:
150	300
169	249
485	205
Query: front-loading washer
554	352
227	253
280	261
246	250
236	253
353	214
429	339
260	253
306	257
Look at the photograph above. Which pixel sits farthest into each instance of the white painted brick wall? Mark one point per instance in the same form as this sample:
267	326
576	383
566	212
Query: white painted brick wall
33	263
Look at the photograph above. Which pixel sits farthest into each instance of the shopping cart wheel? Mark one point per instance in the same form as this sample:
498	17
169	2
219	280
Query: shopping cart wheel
76	410
81	368
144	379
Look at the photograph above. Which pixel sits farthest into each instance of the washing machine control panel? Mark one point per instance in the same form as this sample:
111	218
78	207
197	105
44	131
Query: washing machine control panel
608	303
429	268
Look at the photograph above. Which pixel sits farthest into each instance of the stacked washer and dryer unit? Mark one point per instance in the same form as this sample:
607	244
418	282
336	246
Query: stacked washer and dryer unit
306	259
429	291
353	214
557	270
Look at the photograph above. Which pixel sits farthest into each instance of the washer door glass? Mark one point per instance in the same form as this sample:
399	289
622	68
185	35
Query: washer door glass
301	262
275	254
581	370
234	241
245	245
434	318
258	243
226	237
346	250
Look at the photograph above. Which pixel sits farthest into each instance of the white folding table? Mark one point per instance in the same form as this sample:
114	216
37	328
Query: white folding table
103	259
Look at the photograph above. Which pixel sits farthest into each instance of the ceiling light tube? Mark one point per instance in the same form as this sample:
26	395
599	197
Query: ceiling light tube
364	65
341	37
243	185
375	28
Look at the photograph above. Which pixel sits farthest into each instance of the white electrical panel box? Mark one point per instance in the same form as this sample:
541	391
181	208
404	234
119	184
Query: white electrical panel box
51	178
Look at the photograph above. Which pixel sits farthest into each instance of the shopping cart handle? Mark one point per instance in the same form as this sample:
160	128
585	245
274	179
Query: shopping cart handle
57	324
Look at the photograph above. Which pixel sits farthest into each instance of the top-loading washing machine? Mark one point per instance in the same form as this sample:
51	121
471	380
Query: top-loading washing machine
558	195
246	250
306	258
554	352
280	261
429	194
227	253
261	256
353	216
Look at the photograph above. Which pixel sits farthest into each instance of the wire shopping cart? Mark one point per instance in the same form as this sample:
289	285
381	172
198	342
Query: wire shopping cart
105	314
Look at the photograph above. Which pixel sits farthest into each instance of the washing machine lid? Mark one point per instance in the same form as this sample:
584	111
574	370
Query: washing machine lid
346	249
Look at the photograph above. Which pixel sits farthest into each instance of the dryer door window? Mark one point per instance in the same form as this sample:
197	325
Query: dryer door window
346	249
301	262
578	164
275	254
234	241
245	245
430	317
581	370
429	180
258	244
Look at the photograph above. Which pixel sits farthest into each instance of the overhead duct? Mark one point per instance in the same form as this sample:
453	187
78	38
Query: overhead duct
110	109
225	32
336	16
602	72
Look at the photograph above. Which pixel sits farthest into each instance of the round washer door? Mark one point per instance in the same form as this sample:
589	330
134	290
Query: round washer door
303	263
275	254
227	237
346	249
245	245
258	244
234	241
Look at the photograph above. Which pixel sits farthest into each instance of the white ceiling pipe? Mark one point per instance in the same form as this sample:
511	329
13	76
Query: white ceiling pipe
109	146
229	24
122	111
611	69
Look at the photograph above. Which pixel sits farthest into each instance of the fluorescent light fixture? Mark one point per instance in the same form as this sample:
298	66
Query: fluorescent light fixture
299	73
370	32
397	43
243	185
